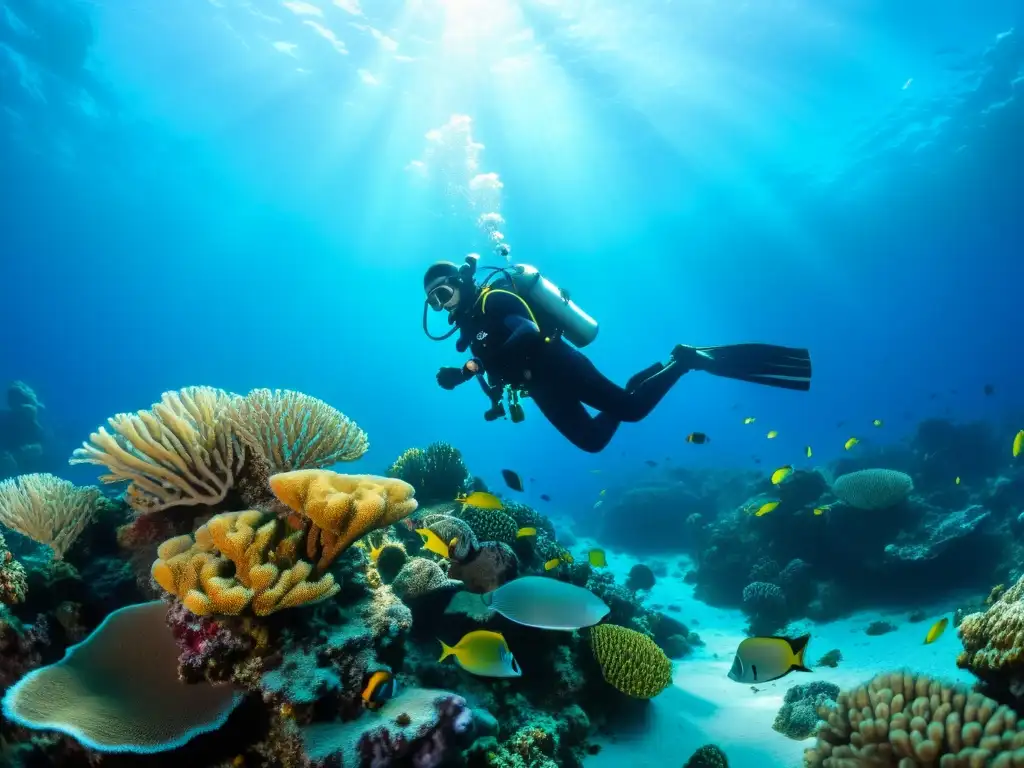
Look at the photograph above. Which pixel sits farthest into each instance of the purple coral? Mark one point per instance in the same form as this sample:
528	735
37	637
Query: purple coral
208	648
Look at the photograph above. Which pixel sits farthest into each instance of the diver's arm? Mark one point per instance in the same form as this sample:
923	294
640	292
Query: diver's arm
523	334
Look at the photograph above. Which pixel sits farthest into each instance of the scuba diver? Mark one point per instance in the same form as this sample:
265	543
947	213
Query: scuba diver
525	336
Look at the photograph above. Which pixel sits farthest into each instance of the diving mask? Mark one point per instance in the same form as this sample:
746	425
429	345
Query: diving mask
439	297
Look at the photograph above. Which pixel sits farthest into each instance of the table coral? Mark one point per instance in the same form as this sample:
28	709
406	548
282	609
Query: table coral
630	661
338	509
268	575
118	691
903	719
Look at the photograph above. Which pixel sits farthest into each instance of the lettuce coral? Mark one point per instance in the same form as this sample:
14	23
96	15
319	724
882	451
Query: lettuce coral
338	509
118	691
905	719
47	509
268	575
871	489
630	661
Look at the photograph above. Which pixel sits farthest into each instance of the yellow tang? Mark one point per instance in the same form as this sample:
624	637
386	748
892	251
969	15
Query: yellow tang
481	499
597	558
877	422
749	420
483	653
772	434
936	631
850	443
552	563
808	451
781	474
767	507
432	542
1018	444
528	531
566	558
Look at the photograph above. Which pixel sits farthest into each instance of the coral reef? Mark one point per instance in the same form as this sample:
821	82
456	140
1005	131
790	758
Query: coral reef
640	577
630	661
13	579
902	718
438	472
708	756
799	716
48	510
490	524
993	643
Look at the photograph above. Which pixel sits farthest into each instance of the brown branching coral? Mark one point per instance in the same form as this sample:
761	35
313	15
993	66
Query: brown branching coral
994	640
47	509
902	720
268	573
177	453
338	509
291	430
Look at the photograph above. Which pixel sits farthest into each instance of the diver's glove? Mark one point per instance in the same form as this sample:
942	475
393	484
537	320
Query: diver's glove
450	378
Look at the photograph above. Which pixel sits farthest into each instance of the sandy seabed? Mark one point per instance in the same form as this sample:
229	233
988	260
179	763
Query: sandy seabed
704	706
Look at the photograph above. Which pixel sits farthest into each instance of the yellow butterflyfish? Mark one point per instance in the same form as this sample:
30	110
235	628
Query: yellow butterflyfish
481	499
850	443
781	474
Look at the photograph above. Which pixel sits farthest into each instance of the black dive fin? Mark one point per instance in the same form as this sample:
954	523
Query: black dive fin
774	366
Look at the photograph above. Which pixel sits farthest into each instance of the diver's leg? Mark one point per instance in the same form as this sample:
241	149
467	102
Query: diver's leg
595	389
638	378
568	416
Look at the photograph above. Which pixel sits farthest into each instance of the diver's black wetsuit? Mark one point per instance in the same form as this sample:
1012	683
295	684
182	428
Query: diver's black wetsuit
500	333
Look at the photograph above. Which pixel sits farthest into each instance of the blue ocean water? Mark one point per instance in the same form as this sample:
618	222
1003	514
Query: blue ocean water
245	193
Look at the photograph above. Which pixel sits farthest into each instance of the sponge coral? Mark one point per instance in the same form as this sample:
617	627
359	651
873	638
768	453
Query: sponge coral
47	509
291	430
338	509
177	453
118	691
994	640
903	719
630	661
268	575
873	488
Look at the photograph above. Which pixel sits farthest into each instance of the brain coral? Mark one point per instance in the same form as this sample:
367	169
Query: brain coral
902	720
490	524
118	691
994	640
873	488
630	661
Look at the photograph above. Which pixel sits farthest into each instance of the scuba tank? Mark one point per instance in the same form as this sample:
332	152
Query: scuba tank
556	313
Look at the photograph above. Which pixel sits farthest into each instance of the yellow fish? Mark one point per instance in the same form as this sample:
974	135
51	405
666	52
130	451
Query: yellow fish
603	491
768	506
481	499
936	631
808	451
528	531
877	422
772	435
818	511
1018	444
781	474
958	480
763	659
432	542
850	443
597	558
749	420
375	550
566	558
554	562
483	653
